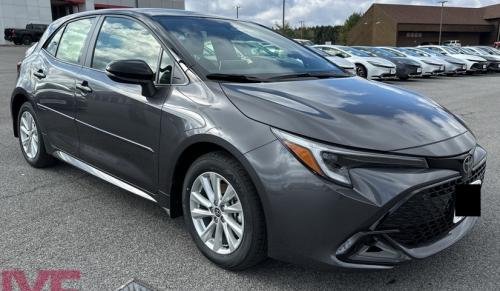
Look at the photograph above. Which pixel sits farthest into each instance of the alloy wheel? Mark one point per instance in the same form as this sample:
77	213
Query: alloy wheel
216	213
29	135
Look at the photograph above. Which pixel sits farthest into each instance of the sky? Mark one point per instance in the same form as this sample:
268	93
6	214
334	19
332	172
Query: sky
312	12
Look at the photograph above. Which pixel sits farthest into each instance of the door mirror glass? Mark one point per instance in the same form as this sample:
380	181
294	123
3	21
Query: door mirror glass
133	72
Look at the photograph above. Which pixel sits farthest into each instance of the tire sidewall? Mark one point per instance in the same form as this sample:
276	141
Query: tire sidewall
211	164
28	107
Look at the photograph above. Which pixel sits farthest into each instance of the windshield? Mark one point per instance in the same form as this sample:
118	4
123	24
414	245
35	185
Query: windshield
388	53
469	51
227	47
417	53
356	52
451	50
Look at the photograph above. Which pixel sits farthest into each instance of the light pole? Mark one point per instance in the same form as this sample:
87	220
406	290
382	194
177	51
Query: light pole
302	29
237	11
283	20
441	22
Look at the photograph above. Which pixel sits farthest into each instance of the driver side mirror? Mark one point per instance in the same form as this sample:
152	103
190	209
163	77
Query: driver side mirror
133	72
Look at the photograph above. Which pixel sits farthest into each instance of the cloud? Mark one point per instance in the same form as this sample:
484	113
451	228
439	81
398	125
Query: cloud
313	12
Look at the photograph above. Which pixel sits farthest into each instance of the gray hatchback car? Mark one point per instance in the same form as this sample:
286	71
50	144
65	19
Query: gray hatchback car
266	148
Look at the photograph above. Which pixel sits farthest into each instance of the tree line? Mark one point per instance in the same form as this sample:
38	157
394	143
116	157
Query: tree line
336	34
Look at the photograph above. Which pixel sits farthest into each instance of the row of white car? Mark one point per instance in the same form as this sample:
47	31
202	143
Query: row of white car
406	62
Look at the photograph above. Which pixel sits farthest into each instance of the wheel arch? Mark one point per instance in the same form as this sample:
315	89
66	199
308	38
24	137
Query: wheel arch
19	97
196	147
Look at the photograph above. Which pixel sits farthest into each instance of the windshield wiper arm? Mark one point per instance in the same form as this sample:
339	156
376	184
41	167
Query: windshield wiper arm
234	78
319	75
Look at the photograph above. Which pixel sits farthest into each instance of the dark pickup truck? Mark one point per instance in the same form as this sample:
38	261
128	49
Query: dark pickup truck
32	33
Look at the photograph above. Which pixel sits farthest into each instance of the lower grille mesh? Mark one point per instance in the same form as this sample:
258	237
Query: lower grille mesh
428	214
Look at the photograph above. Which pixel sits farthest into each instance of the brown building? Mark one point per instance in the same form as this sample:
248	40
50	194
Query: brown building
408	25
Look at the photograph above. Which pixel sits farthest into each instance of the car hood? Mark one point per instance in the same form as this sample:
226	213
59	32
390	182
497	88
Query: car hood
346	111
343	63
469	57
453	60
431	60
379	60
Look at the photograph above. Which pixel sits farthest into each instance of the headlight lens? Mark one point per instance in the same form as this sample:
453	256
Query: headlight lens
334	163
376	64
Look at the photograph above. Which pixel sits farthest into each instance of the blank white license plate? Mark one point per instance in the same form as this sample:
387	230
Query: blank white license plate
484	66
392	71
419	70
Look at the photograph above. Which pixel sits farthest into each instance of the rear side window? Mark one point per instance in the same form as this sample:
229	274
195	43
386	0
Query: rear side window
73	40
125	39
51	46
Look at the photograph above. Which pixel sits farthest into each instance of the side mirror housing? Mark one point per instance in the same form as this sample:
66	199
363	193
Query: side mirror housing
133	72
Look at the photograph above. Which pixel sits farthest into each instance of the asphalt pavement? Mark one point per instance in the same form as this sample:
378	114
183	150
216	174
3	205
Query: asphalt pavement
61	218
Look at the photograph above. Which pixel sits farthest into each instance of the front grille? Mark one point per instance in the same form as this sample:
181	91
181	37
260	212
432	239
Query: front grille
428	215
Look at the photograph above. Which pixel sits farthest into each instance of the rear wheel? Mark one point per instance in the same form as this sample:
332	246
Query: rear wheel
30	138
361	71
222	212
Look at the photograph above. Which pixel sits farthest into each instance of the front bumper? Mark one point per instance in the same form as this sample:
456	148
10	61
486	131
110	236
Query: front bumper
382	72
312	221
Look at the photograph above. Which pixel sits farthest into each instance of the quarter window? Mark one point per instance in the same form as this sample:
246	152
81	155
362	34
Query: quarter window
73	40
125	39
51	46
166	69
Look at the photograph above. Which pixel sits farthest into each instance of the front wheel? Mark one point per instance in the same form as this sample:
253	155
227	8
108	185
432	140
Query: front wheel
223	213
361	71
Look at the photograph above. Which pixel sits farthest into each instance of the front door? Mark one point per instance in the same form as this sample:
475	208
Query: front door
119	128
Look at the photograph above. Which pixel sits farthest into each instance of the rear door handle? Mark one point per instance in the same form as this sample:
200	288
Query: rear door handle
39	74
84	87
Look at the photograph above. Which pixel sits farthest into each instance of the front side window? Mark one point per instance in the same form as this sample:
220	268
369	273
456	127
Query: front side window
240	48
73	40
125	39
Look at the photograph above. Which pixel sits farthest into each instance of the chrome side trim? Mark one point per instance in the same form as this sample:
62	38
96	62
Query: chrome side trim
100	174
55	111
116	136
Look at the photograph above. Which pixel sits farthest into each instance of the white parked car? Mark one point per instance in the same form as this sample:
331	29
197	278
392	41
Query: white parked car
367	66
453	65
430	65
304	41
340	62
474	63
493	60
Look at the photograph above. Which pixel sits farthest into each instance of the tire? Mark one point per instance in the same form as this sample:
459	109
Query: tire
361	71
17	42
251	245
38	158
27	40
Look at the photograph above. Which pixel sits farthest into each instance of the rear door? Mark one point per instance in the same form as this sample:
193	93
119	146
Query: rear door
55	72
119	128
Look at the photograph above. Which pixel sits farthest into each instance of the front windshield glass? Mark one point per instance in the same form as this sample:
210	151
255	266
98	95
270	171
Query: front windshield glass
356	52
388	53
417	53
452	50
469	51
230	47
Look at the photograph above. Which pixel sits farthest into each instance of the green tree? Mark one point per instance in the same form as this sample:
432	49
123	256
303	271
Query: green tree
287	30
349	23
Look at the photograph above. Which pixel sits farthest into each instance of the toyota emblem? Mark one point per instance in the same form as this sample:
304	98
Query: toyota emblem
467	165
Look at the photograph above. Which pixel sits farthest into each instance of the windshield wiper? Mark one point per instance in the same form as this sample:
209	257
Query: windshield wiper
234	78
318	75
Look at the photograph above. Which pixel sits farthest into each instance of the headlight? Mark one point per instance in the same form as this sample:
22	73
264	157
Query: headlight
377	64
334	163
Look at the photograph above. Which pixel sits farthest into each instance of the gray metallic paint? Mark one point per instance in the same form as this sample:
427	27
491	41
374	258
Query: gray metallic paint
116	132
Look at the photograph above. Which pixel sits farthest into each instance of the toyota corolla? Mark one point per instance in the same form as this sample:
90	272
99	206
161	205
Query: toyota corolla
266	153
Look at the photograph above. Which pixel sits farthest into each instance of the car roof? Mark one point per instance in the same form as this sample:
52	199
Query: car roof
148	12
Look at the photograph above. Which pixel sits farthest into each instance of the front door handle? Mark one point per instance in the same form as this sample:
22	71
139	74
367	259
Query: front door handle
84	87
39	74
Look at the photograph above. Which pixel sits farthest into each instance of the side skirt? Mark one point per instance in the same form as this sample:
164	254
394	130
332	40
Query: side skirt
102	175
